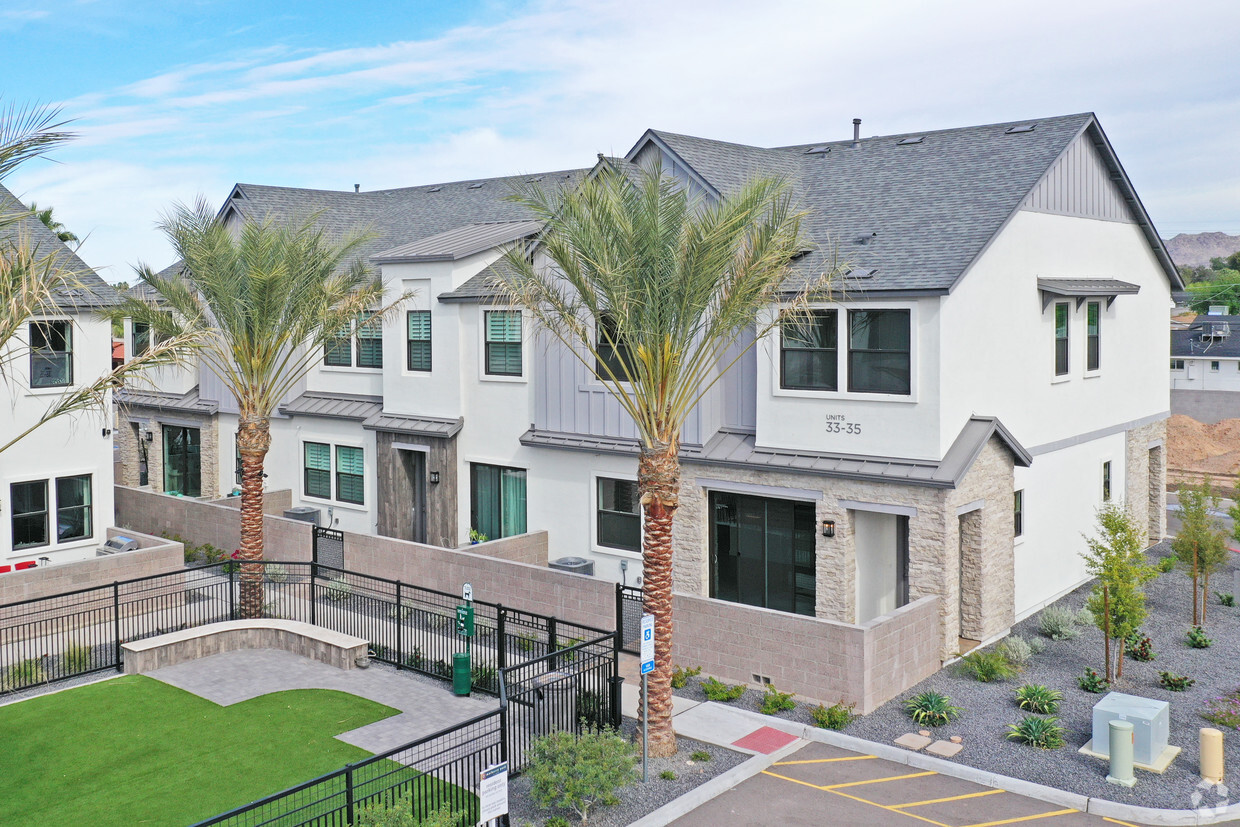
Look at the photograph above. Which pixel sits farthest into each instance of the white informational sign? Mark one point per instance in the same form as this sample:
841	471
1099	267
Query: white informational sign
492	793
467	593
647	644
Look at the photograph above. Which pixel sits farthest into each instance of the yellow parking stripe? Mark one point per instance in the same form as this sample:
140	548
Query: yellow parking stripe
887	808
941	800
793	780
825	760
1023	818
878	780
1117	821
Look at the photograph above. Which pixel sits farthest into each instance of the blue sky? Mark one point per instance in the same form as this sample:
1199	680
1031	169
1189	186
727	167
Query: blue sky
176	99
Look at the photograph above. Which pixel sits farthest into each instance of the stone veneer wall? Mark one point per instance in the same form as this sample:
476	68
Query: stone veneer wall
125	435
1143	489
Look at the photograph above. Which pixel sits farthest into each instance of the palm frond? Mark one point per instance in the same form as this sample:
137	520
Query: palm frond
28	131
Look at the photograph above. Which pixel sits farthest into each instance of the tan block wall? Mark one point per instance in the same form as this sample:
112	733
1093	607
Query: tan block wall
1145	493
901	649
274	502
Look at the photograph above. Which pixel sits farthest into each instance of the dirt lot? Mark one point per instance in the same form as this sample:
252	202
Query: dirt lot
1195	449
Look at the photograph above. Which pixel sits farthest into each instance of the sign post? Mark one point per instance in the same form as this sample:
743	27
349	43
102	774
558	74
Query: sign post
647	655
492	793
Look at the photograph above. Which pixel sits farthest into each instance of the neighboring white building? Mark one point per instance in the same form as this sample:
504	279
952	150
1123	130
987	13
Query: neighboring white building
1205	367
55	484
989	376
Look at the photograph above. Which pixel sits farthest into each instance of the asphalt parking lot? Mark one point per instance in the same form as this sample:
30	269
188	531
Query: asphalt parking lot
824	785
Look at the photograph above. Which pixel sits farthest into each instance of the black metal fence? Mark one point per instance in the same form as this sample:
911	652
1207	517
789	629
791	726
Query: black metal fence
328	547
629	618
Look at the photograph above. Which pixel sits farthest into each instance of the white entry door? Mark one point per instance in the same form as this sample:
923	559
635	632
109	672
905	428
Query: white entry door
882	563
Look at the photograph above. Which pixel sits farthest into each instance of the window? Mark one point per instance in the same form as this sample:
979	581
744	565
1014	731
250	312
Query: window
762	552
29	507
615	359
1018	511
808	348
1106	481
350	475
503	343
1214	367
182	461
1178	364
317	470
879	347
497	500
73	508
141	338
419	342
51	354
1093	339
1061	339
237	469
369	341
619	518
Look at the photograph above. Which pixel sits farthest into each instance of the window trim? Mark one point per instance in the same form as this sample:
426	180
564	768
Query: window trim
67	353
817	312
598	512
487	374
338	473
364	321
1107	482
409	342
88	507
146	343
306	469
164	427
13	515
1215	365
908	353
1178	364
1066	339
1093	341
1018	513
350	344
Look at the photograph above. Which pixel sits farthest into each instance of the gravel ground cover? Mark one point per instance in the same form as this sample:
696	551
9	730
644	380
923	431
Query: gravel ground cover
990	707
637	799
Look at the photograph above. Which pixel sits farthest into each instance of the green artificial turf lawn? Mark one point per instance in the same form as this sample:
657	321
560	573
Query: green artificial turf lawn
133	750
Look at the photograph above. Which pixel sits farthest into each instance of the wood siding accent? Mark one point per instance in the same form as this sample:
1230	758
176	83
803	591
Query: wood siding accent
1080	184
393	469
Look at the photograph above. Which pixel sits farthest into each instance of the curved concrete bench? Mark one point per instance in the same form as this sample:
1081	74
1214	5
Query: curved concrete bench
314	642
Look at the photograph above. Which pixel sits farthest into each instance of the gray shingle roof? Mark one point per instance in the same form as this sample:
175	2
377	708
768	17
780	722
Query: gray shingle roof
480	287
1190	343
94	293
730	447
925	210
358	407
459	242
131	397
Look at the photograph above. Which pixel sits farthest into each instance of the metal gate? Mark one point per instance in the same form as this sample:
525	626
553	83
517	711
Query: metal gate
329	547
629	618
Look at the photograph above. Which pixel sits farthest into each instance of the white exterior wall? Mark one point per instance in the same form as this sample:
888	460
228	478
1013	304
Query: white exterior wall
891	425
284	468
65	447
1199	375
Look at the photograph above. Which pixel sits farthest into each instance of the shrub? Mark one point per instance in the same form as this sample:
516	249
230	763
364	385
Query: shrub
378	651
399	812
1173	682
931	709
22	674
1084	617
1016	650
700	755
987	665
1166	564
1139	647
681	675
476	536
276	572
1036	645
1043	733
1226	599
76	658
556	821
775	701
415	661
339	589
1224	711
1197	638
400	611
1057	623
1091	681
591	710
576	772
836	716
526	641
485	677
668	775
717	691
1039	699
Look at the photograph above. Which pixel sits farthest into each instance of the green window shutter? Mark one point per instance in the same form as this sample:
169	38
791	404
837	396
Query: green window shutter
318	456
349	460
504	326
419	340
318	468
369	342
503	342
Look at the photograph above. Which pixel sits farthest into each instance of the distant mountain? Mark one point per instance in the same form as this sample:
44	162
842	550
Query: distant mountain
1196	250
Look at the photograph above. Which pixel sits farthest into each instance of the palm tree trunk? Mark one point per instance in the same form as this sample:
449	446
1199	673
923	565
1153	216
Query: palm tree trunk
253	440
658	483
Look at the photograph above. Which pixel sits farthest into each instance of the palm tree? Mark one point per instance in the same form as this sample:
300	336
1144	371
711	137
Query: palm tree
649	288
45	215
262	303
36	281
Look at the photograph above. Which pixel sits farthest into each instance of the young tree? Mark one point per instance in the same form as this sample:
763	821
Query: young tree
262	302
649	287
1116	558
1202	541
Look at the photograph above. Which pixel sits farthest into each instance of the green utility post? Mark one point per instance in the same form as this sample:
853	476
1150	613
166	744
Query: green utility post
1121	743
461	661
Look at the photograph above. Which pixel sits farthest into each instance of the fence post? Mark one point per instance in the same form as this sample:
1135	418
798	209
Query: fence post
553	643
400	629
619	616
314	583
116	623
348	791
232	599
501	635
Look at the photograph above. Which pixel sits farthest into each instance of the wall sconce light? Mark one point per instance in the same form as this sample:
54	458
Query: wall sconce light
43	561
828	528
107	432
434	478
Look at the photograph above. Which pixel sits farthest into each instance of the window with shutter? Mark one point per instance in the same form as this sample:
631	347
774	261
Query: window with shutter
350	475
318	470
503	342
419	340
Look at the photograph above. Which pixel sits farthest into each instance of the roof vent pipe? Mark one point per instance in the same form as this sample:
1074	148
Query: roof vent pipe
357	187
856	141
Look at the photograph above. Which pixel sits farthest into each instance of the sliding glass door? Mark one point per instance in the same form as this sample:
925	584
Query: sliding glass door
497	500
762	552
182	461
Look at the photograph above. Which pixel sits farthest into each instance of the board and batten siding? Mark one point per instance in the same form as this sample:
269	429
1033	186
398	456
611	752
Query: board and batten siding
1080	184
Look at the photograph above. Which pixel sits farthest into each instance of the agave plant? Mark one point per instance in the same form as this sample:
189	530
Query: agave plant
1039	699
931	709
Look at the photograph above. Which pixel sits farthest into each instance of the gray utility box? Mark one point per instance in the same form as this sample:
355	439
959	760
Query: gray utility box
577	565
305	513
117	545
1149	719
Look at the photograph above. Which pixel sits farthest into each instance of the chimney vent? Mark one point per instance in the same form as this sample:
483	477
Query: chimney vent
856	141
357	187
